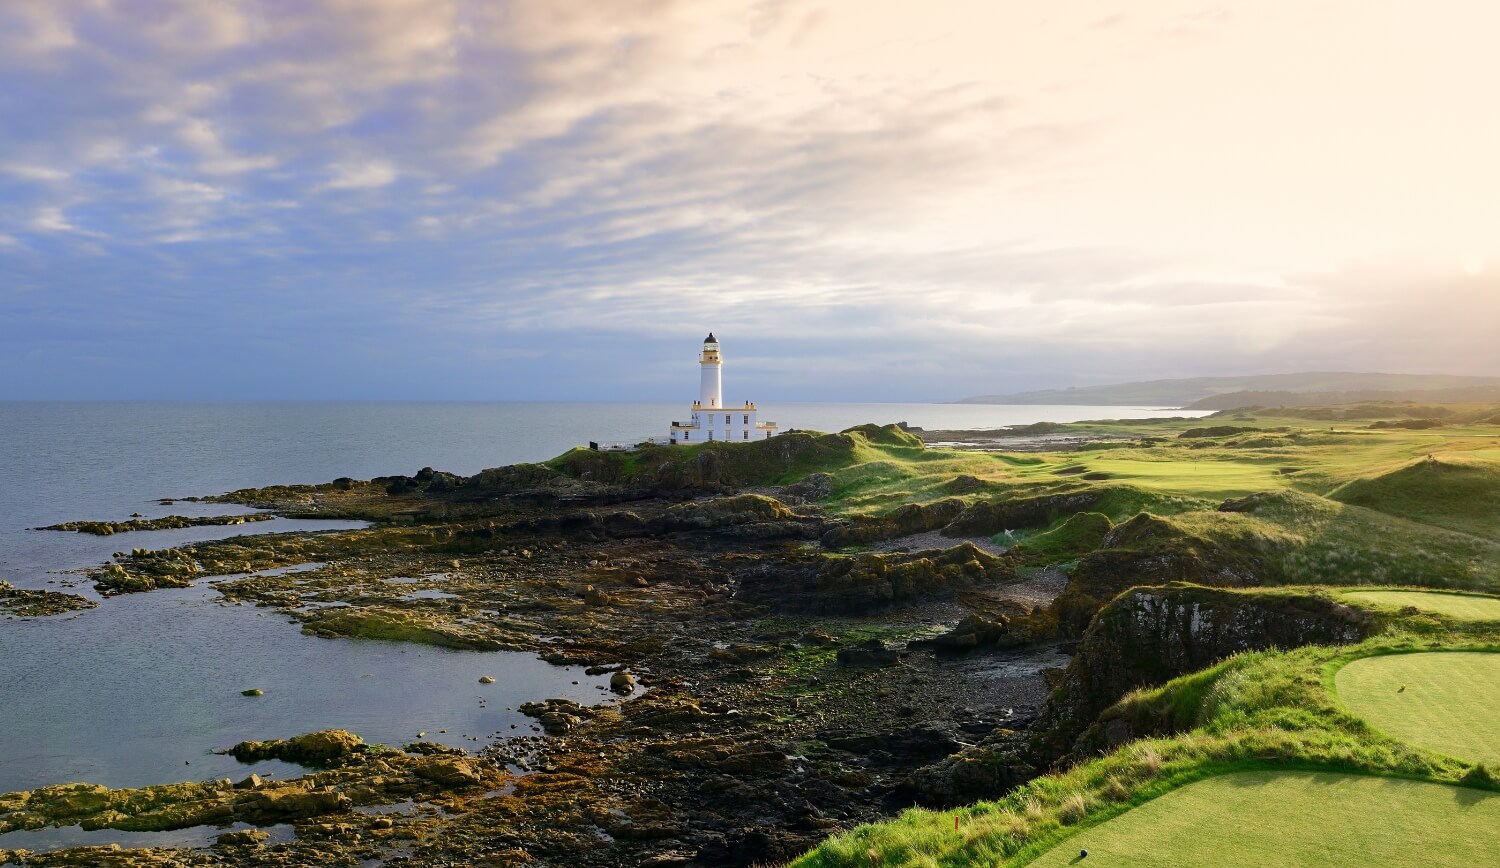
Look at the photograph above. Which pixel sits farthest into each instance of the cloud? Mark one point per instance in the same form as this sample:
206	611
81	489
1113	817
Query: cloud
52	219
363	175
977	190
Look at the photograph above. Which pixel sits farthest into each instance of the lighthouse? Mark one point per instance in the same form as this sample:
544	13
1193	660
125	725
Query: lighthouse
710	420
711	375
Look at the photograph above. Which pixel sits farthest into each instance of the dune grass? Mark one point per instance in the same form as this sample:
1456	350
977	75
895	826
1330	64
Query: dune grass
1075	535
1465	607
1458	493
1444	701
1254	819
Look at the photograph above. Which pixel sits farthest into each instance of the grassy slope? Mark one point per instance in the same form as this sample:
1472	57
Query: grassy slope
1259	711
1290	818
1461	493
1285	454
1448	702
1380	539
1466	607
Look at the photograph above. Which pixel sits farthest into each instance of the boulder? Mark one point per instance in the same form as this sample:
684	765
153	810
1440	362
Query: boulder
244	838
314	747
450	771
268	806
871	653
557	716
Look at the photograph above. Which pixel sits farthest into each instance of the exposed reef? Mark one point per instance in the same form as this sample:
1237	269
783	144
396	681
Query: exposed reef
170	522
35	604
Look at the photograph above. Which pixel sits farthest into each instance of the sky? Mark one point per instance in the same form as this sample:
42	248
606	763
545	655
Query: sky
866	200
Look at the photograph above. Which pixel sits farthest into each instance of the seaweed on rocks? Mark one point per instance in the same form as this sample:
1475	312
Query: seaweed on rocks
34	604
170	522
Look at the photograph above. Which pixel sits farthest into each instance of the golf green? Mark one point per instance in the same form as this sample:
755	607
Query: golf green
1467	607
1255	819
1444	701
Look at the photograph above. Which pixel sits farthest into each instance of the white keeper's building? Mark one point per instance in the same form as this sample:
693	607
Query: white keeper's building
711	420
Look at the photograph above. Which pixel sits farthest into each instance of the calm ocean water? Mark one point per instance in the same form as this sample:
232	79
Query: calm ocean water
138	690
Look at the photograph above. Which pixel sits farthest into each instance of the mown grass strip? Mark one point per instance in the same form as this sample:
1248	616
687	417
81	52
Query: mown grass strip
1465	607
1444	701
1296	818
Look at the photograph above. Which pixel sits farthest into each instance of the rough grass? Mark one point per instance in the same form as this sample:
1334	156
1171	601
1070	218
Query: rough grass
1254	819
1465	607
1461	494
1447	702
1076	535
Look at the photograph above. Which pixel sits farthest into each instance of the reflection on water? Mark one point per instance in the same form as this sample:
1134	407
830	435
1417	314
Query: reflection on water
139	690
58	838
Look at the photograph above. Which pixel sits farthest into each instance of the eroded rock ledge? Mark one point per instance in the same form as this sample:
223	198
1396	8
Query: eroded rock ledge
34	604
170	522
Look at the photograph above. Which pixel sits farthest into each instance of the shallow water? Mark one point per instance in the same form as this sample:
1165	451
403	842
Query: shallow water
140	690
56	838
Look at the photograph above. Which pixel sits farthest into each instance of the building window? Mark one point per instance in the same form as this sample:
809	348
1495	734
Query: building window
747	418
687	435
710	433
747	435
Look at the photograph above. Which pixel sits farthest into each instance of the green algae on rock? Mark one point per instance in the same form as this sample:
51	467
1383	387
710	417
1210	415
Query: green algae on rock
357	776
170	522
34	604
314	747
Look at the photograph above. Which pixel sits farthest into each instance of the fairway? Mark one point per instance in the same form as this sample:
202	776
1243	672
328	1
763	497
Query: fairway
1467	607
1451	700
1296	818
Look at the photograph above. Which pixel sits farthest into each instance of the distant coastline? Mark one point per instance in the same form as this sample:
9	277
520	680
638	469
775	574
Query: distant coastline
1264	390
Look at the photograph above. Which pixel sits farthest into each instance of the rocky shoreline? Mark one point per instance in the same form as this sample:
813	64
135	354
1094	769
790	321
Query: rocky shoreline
791	670
775	692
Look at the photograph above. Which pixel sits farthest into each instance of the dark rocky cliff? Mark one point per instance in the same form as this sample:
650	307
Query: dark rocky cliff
1150	635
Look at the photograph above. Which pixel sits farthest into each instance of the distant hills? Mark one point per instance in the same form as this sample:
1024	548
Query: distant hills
1267	390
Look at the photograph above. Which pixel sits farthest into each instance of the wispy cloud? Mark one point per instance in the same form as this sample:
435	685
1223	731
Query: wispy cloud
363	175
988	194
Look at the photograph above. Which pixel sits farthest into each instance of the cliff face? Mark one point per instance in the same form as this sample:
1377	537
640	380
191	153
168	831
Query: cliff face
1150	635
1148	549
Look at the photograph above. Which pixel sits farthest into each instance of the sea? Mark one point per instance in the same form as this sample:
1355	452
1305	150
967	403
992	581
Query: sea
143	688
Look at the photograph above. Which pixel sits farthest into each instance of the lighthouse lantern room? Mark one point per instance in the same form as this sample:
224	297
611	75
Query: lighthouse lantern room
710	420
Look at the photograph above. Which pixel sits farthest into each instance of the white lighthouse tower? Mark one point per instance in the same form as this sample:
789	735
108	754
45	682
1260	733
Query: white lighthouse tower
711	421
711	375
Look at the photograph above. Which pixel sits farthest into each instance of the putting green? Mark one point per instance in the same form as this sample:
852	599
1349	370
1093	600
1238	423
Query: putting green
1294	818
1467	607
1450	701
